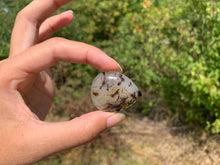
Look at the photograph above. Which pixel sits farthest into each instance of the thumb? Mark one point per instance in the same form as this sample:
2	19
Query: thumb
55	137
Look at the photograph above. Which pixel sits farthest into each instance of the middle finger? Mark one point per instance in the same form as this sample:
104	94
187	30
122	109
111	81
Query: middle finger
28	21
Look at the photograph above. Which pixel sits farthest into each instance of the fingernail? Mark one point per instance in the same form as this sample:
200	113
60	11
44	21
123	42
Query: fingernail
120	69
115	119
70	11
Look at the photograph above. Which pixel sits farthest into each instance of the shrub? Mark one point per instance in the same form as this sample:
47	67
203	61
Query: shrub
171	46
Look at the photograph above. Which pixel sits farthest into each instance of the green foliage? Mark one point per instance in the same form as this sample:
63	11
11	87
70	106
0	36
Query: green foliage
4	31
195	70
169	46
8	11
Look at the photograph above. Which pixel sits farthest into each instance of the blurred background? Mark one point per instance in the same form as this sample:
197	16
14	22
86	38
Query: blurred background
171	50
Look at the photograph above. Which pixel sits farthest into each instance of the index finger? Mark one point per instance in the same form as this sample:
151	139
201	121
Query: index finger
48	53
28	20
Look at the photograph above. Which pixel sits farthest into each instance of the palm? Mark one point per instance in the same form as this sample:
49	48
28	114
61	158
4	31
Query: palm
40	94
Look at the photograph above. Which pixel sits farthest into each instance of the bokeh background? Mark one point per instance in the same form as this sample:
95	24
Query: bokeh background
171	50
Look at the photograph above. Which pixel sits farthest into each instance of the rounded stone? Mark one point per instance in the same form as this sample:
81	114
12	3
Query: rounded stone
113	91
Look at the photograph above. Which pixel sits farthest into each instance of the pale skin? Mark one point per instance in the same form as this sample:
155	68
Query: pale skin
27	90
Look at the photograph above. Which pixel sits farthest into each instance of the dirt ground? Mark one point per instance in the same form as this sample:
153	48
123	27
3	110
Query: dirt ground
138	140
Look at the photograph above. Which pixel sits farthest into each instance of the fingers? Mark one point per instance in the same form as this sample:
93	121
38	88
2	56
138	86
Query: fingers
81	130
28	20
55	137
53	24
36	140
48	53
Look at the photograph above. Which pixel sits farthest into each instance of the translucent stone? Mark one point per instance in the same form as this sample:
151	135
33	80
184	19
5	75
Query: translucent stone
113	91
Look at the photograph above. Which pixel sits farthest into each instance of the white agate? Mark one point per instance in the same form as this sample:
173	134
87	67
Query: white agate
113	91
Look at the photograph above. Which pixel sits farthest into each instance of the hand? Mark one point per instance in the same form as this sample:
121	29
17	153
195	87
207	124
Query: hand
27	91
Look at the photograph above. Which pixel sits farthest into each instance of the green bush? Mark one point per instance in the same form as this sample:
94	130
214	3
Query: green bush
8	11
196	67
171	46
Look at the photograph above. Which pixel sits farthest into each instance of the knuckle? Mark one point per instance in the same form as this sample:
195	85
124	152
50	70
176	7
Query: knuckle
26	17
54	41
54	44
21	15
51	27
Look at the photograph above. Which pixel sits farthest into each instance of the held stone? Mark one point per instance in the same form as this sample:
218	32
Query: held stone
113	91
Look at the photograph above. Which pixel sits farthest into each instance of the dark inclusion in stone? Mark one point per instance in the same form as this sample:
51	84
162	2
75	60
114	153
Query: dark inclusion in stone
113	91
